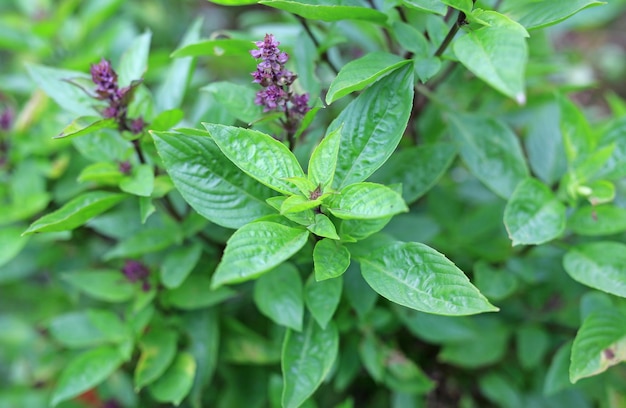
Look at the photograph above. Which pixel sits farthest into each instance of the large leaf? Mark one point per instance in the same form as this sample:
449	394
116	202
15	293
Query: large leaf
433	6
542	13
361	72
533	215
328	10
209	182
498	56
366	201
158	349
76	212
416	276
177	381
322	298
278	295
134	61
600	265
258	155
84	372
599	344
416	168
106	285
256	248
306	360
373	125
491	151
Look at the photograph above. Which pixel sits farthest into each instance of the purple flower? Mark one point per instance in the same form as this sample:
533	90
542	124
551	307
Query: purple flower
272	98
6	119
300	103
137	125
105	78
135	271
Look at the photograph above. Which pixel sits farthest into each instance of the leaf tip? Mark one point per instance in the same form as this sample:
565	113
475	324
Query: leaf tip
520	98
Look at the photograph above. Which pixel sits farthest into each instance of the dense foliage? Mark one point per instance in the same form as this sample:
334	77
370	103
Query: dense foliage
312	203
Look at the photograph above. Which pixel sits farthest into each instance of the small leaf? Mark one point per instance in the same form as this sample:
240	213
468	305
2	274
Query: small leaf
577	135
278	295
85	125
298	203
258	155
256	248
140	182
533	215
366	201
323	160
557	377
177	381
178	264
327	10
103	173
359	73
105	285
307	358
598	220
330	259
418	277
323	227
134	61
322	298
599	344
600	265
158	349
84	372
76	212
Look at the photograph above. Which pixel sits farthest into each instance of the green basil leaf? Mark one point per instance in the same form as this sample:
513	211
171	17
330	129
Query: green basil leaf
537	14
599	265
365	201
105	285
322	298
298	203
598	220
145	241
134	61
140	182
178	264
88	328
177	381
11	242
578	138
328	10
237	99
219	47
196	293
158	349
323	160
323	227
462	5
432	6
278	295
330	259
85	125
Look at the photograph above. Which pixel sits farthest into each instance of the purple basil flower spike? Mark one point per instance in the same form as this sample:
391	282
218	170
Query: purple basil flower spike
105	79
135	271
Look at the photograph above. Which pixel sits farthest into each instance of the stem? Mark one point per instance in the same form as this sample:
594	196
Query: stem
460	21
137	146
323	55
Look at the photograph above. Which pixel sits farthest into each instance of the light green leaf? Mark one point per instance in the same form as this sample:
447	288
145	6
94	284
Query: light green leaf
615	135
416	168
330	259
557	377
365	201
498	56
177	381
103	173
598	220
209	182
323	227
76	212
463	5
322	298
433	6
577	136
84	372
105	285
166	120
88	329
416	276
12	242
323	161
599	344
533	215
328	10
158	349
140	182
298	203
237	99
256	248
495	19
221	47
307	358
85	125
600	265
359	73
178	264
541	13
134	61
366	144
278	295
259	155
491	151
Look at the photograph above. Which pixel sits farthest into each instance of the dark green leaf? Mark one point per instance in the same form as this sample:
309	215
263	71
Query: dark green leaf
177	381
600	265
88	328
557	377
278	295
106	285
322	298
577	136
196	293
328	10
145	241
158	349
330	259
178	264
256	248
307	358
11	243
532	344
365	201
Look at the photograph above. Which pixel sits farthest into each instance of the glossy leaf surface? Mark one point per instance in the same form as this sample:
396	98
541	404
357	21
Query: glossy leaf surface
366	201
327	10
600	265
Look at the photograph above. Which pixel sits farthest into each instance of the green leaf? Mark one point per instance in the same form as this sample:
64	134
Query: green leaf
221	47
278	295
323	227
599	344
84	372
416	168
533	215
557	377
480	350
366	144
196	293
615	135
158	349
598	220
495	284
532	344
323	161
259	155
88	329
328	10
233	2
145	241
140	182
11	243
298	203
366	201
322	298
76	212
498	56
541	13
416	276
177	381
85	125
330	259
491	151
134	61
209	182
103	173
167	119
577	135
359	73
433	6
238	100
256	248
463	5
178	264
600	265
105	285
307	358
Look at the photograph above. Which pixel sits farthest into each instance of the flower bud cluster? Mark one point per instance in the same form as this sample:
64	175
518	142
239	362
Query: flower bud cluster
137	272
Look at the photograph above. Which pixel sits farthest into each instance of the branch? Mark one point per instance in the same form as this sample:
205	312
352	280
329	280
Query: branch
323	55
